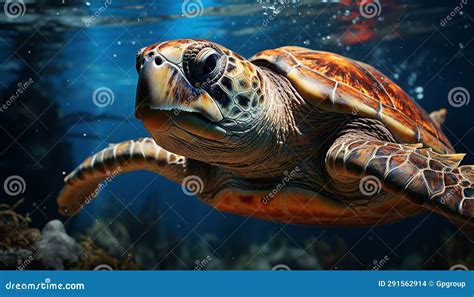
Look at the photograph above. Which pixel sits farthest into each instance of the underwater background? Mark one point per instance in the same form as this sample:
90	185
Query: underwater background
57	56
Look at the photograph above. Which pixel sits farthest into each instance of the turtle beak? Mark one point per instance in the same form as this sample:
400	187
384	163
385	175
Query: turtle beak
162	86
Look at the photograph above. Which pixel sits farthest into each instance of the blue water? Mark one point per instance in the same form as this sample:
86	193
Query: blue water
70	55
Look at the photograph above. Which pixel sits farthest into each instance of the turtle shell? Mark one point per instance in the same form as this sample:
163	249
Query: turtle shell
335	83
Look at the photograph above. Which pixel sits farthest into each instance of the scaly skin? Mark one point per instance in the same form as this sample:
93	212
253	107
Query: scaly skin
81	184
288	140
423	176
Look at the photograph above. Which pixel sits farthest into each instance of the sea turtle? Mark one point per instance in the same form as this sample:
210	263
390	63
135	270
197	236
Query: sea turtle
291	135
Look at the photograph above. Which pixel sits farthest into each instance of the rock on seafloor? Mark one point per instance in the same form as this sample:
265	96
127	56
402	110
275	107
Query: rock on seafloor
56	247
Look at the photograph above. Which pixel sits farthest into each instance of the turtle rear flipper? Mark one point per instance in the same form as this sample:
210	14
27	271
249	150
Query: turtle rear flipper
85	182
432	180
438	117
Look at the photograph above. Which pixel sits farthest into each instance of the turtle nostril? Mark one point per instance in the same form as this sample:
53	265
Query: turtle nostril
158	60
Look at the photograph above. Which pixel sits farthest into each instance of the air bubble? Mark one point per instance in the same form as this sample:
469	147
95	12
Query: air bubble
419	89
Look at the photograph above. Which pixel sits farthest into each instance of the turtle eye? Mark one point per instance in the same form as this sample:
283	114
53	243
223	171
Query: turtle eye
209	63
207	66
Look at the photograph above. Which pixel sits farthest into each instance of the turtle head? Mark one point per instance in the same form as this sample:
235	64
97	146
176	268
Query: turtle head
194	94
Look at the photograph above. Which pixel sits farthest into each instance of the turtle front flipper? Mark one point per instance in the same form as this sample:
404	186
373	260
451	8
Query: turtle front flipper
83	184
432	180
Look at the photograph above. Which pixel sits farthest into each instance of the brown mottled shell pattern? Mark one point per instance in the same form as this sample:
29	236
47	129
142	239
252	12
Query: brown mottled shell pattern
335	83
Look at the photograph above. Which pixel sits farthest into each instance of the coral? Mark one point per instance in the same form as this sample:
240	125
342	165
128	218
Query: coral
117	232
113	237
272	256
97	258
14	231
22	247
